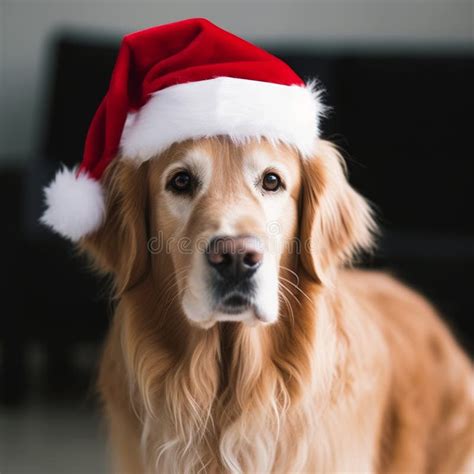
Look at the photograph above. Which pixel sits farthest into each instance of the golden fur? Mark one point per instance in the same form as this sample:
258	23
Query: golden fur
358	374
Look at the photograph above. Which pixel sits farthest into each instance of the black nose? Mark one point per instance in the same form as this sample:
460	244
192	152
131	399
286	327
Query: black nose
235	258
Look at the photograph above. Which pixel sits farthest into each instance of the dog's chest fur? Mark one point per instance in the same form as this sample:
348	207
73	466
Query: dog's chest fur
234	402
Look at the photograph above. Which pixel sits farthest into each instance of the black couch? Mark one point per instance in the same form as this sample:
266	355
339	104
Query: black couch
404	119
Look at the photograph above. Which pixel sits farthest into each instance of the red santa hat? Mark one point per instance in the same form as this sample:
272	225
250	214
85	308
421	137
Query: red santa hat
184	80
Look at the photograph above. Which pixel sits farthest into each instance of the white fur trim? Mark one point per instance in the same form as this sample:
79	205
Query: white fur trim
74	204
239	108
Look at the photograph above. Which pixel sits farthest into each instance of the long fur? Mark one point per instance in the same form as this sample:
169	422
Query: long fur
358	375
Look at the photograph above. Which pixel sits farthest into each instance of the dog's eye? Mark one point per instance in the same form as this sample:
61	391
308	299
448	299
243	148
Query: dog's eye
271	182
181	182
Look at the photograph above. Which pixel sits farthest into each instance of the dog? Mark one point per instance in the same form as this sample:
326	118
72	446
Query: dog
242	339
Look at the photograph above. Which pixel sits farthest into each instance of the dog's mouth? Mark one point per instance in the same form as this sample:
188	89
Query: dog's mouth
235	303
210	300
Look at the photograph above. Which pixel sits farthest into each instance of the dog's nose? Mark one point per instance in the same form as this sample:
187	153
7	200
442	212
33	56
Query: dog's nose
235	258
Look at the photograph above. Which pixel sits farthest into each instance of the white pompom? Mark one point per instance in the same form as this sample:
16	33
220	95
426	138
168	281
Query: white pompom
75	204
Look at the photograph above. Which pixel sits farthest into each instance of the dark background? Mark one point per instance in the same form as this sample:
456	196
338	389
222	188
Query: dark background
404	120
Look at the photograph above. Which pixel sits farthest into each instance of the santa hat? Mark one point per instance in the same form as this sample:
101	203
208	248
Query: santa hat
184	80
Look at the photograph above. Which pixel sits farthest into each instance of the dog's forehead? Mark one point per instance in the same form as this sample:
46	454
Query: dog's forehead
254	155
196	156
262	156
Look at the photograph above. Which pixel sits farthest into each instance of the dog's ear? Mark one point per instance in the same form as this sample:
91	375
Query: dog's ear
119	246
336	222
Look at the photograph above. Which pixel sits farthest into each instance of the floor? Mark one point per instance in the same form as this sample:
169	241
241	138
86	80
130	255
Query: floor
51	439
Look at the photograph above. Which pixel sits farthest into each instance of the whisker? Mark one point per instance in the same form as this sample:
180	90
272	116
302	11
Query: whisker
288	305
290	293
173	299
297	278
296	287
172	283
173	275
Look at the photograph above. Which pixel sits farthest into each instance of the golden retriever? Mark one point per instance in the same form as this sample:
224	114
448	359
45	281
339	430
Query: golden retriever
242	343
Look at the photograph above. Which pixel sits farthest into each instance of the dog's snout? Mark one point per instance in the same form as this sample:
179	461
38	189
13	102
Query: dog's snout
235	257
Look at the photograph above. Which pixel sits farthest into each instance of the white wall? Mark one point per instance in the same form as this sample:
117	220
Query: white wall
26	25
